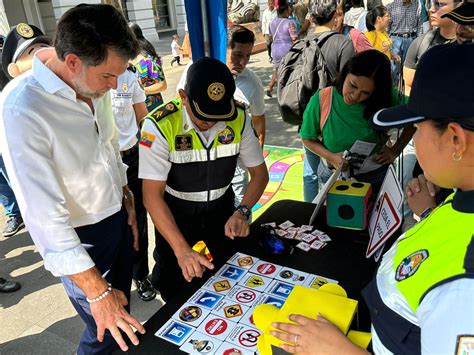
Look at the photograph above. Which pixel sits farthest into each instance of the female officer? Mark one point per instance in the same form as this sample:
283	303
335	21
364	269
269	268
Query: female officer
421	300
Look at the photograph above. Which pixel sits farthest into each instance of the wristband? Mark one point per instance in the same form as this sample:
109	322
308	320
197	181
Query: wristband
102	295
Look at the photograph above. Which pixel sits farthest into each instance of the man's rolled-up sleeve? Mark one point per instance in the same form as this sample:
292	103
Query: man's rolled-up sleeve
26	148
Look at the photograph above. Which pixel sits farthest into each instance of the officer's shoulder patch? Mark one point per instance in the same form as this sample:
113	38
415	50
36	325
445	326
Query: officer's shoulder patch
162	111
240	104
410	264
132	68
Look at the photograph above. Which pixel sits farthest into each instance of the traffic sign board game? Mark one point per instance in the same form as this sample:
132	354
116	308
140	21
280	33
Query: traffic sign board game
217	319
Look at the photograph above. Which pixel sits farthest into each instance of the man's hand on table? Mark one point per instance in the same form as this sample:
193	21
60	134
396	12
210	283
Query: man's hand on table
109	313
192	264
237	226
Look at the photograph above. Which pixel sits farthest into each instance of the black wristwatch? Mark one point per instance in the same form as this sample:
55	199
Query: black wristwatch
244	211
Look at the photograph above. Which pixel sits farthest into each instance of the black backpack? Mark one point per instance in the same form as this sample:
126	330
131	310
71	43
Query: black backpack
302	72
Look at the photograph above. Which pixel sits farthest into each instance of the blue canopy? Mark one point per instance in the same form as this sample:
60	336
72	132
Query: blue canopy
207	23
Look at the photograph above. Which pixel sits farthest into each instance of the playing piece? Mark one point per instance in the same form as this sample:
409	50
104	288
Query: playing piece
286	225
308	238
317	245
303	246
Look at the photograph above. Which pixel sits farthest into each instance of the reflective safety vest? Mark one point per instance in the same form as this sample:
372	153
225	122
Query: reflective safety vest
199	173
436	251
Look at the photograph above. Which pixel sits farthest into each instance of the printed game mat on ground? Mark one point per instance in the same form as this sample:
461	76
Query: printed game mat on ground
217	319
285	168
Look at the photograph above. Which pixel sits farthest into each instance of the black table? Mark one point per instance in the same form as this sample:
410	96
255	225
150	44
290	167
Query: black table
343	259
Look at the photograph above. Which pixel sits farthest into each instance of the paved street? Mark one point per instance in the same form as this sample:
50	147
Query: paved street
39	319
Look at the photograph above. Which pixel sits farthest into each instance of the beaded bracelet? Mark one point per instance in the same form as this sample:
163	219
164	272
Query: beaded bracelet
102	295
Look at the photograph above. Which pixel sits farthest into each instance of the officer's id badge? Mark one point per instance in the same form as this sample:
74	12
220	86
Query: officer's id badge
183	142
147	139
410	264
24	30
124	87
216	91
226	136
464	344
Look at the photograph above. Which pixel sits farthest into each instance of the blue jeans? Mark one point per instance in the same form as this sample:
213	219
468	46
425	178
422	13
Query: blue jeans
310	176
399	46
7	197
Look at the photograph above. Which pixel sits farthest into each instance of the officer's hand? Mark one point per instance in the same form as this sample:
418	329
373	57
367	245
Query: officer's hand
421	194
237	226
192	264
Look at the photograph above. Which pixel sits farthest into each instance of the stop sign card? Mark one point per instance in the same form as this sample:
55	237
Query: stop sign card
216	327
266	269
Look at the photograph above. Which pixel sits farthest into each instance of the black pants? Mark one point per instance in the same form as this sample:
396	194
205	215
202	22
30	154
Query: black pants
176	59
140	265
109	245
196	222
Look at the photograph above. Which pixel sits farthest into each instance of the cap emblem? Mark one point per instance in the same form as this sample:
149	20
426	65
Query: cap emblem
24	30
216	91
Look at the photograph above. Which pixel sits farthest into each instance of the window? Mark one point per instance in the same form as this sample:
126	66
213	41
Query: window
162	14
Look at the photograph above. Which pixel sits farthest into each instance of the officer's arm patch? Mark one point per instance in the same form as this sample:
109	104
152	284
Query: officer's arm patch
162	111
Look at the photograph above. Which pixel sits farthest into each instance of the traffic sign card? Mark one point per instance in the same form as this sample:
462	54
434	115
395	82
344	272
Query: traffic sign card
230	309
255	282
220	285
280	289
231	272
243	295
265	298
266	269
230	349
175	332
217	327
292	276
191	314
316	281
245	337
242	260
199	343
206	299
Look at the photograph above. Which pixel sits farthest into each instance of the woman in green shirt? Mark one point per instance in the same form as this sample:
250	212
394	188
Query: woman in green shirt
363	87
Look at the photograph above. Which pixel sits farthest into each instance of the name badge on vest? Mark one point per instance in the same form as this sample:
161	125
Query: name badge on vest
183	142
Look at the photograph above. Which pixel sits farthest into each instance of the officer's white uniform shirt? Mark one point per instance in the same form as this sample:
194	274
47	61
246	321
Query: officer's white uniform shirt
154	162
64	173
128	93
444	313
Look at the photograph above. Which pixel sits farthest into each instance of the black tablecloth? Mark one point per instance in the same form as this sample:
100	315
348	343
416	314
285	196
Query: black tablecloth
343	259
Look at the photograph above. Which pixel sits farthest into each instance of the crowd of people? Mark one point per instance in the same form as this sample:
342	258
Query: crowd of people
195	164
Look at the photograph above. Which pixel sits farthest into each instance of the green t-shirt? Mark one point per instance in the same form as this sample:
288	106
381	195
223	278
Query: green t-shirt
345	124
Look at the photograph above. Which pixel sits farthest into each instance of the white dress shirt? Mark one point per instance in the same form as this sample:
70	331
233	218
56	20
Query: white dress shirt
63	162
154	162
249	89
128	93
267	17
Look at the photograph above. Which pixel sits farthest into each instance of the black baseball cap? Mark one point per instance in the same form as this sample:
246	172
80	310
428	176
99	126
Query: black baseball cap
18	40
463	14
442	90
210	89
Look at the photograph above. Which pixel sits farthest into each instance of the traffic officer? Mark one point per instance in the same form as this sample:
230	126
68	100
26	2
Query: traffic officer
188	154
421	300
129	108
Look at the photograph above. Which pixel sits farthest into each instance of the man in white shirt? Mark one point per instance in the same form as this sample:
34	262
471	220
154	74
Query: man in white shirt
60	147
269	14
188	153
128	103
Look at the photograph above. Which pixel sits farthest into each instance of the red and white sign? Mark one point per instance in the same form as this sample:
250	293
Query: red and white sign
384	222
248	338
266	269
216	326
232	351
246	296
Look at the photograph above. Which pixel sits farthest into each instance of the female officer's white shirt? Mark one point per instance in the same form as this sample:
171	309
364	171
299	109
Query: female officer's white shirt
63	162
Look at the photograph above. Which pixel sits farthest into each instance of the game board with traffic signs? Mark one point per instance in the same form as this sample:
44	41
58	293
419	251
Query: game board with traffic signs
217	319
